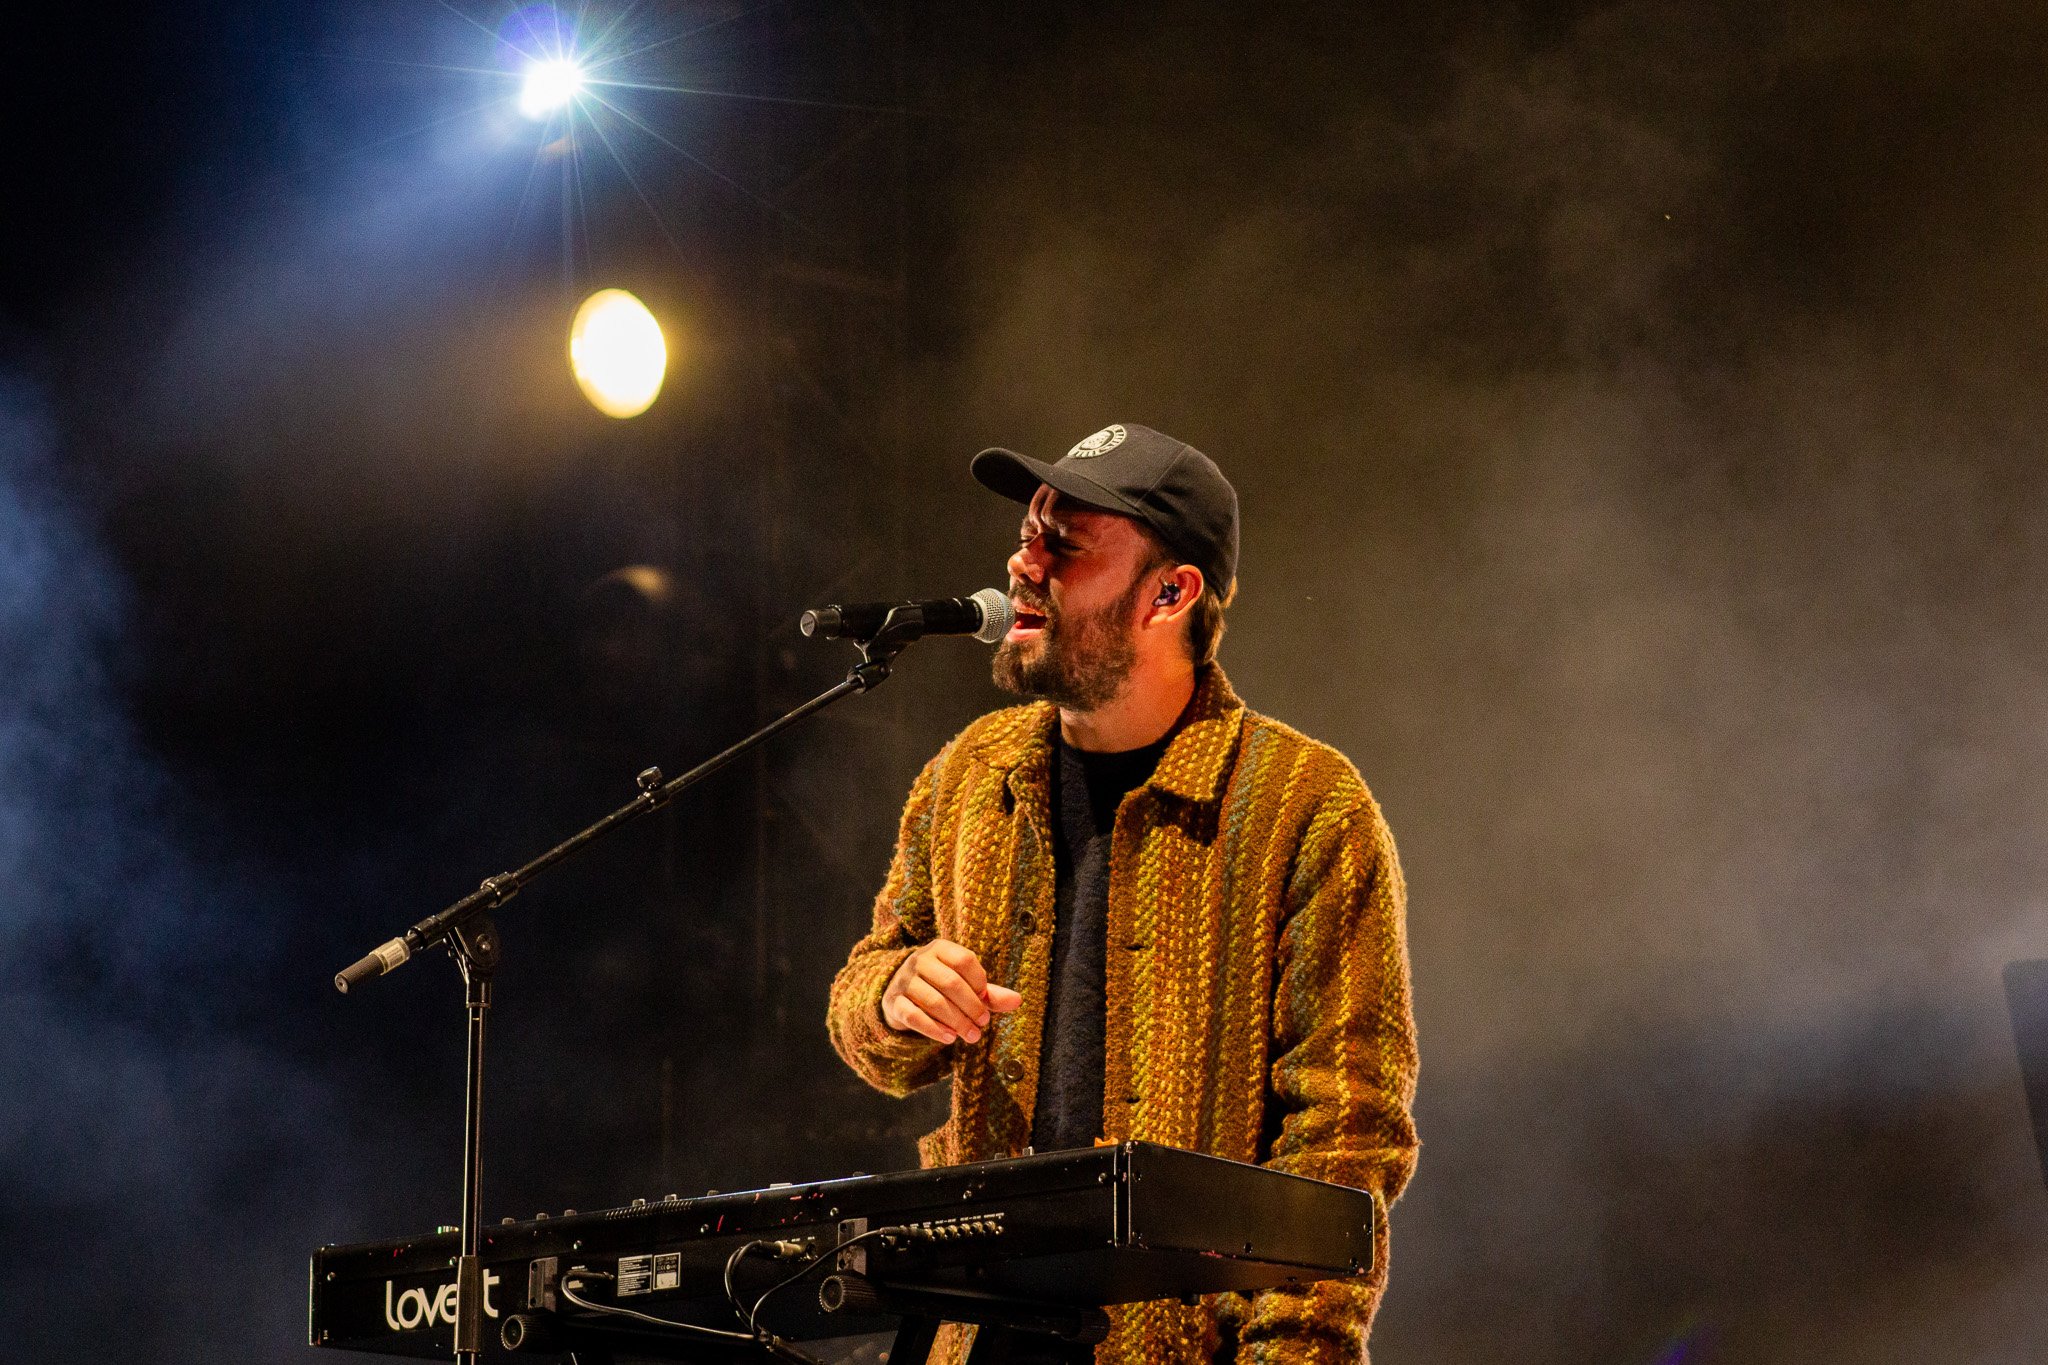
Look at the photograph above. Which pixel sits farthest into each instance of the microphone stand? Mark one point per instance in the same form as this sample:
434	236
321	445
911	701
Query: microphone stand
465	929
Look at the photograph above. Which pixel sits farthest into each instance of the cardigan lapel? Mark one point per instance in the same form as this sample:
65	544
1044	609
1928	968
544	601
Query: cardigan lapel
1196	765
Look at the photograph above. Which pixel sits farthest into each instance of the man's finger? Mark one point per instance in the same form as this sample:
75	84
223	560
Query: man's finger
963	961
948	1015
956	990
911	1019
1002	999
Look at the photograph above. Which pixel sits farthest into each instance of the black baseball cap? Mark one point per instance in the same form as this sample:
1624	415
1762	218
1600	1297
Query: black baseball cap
1138	472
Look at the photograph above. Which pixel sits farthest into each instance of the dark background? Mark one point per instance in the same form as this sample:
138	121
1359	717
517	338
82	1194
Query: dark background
1638	412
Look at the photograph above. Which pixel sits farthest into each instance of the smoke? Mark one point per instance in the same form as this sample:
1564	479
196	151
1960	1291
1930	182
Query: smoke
152	1135
1657	522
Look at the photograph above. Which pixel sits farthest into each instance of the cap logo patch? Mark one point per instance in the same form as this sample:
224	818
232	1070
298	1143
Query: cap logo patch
1101	443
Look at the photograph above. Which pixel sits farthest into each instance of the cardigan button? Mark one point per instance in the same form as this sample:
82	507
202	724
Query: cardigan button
1010	1069
1028	922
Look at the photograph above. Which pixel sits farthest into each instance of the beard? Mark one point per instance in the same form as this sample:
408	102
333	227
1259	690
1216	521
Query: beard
1079	663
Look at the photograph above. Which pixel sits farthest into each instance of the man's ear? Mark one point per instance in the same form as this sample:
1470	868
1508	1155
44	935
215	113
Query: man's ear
1174	593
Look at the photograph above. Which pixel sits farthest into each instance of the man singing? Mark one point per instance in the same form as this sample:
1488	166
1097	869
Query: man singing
1135	909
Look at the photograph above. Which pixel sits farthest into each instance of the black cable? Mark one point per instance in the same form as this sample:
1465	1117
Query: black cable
808	1266
757	1336
582	1273
732	1295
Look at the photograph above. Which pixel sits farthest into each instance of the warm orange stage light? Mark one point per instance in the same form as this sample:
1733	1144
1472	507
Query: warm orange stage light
617	353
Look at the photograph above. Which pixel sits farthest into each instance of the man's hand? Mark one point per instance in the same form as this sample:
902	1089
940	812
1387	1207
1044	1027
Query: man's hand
941	992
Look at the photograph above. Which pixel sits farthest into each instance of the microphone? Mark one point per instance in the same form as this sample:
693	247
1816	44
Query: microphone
987	616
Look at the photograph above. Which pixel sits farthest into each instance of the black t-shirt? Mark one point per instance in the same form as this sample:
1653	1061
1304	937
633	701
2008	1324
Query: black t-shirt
1087	788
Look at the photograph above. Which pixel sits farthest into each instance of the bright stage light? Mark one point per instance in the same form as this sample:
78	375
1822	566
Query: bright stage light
617	353
549	85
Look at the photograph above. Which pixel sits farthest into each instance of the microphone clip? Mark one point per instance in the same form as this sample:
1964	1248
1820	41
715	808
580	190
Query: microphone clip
902	627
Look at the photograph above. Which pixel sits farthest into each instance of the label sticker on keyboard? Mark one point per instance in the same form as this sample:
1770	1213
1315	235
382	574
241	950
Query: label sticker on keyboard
636	1275
647	1274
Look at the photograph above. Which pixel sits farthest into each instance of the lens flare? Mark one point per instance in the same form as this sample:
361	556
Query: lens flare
617	353
549	86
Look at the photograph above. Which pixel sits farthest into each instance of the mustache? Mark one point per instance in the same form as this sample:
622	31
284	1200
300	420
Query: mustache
1028	598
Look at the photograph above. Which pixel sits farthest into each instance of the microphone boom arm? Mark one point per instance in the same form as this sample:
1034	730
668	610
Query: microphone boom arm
903	625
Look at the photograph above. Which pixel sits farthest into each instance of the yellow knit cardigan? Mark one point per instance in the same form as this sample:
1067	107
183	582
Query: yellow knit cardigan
1257	984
